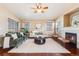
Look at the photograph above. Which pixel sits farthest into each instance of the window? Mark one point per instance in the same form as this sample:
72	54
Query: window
49	25
12	25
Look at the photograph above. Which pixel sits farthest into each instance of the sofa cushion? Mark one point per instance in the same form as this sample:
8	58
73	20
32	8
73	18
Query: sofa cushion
18	35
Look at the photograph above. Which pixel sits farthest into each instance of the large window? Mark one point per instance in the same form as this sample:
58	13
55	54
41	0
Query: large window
49	25
12	25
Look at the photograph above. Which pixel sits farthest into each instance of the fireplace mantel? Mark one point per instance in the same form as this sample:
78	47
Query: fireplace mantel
71	30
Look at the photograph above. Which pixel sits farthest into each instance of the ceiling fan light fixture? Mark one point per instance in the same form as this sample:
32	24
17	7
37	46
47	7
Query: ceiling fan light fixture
40	8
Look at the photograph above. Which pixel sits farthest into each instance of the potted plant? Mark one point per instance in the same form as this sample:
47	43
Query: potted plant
26	31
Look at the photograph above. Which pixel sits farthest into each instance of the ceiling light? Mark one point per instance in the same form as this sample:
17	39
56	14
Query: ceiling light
40	8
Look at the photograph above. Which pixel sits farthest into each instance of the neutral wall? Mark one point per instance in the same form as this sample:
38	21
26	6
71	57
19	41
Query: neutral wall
62	29
34	22
4	15
42	22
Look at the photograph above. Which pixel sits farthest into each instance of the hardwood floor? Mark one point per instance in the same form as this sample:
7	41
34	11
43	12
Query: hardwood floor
4	52
35	54
74	52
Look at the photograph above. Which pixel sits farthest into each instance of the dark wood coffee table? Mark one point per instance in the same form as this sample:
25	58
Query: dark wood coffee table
39	40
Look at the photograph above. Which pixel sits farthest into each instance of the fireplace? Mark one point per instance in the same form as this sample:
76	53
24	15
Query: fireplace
72	37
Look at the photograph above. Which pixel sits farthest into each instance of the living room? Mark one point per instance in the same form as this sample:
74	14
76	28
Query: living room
60	26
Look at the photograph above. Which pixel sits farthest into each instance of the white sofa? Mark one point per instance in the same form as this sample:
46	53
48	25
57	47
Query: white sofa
45	33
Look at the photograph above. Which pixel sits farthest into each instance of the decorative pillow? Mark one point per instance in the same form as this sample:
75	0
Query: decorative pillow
14	36
22	33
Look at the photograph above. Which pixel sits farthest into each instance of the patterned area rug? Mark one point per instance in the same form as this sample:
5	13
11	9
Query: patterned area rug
29	46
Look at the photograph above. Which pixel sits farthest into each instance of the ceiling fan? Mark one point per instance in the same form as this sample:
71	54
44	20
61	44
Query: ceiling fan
40	8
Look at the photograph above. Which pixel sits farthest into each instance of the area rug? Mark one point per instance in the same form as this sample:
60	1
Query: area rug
29	46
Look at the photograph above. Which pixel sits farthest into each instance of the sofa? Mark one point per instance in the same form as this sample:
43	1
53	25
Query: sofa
16	39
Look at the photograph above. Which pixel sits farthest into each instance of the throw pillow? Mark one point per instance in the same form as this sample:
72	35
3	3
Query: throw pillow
14	36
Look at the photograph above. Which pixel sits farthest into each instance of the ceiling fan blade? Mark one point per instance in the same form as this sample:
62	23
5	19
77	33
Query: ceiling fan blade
35	11
45	8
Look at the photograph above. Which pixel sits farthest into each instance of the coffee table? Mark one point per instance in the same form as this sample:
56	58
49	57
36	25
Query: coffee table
39	40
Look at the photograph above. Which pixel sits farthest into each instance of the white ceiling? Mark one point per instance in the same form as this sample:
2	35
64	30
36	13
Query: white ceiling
25	11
